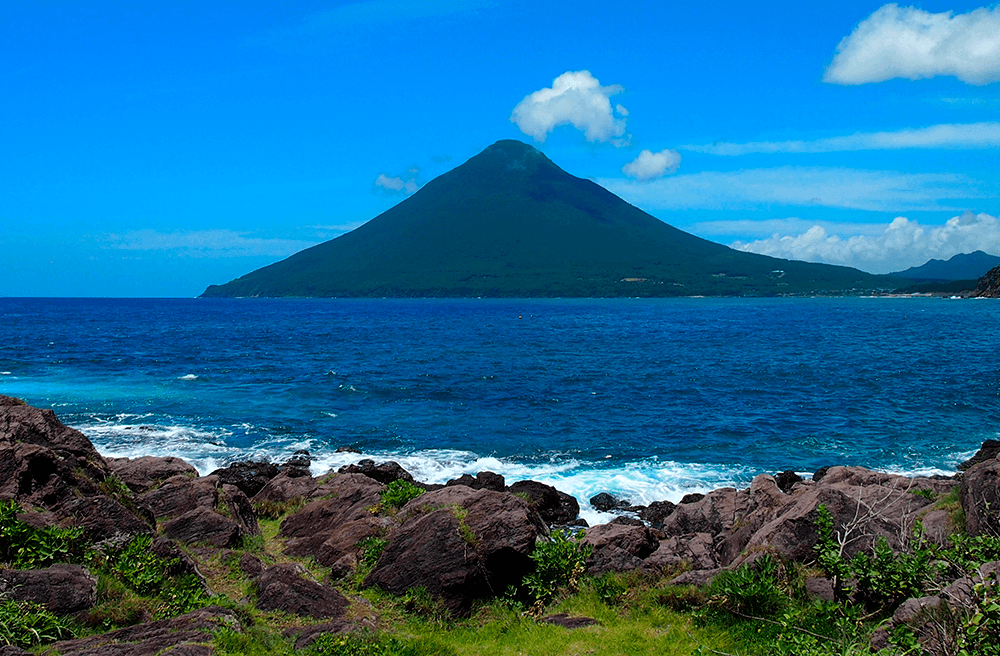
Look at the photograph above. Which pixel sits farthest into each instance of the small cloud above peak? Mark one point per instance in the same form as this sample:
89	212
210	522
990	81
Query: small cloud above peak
575	98
912	43
649	165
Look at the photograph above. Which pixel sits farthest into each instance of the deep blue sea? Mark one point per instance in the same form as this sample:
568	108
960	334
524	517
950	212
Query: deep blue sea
647	399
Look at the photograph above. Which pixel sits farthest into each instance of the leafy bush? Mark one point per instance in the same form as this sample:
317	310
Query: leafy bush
753	590
25	547
610	588
370	550
886	579
398	492
24	624
559	564
148	574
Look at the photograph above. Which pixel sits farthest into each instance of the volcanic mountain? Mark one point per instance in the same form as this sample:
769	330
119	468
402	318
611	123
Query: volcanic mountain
511	223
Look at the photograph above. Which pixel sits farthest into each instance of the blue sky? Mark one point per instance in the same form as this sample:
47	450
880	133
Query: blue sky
152	149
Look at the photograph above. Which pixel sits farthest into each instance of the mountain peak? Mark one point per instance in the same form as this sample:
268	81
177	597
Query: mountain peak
509	222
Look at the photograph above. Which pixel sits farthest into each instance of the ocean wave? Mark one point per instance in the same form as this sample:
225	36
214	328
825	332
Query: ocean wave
188	377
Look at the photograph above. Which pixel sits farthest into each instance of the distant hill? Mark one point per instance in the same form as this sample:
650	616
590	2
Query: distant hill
989	285
511	223
964	266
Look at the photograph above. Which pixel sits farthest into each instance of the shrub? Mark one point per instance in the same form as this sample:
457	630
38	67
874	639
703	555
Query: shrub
370	550
25	624
398	492
25	547
559	564
886	579
753	590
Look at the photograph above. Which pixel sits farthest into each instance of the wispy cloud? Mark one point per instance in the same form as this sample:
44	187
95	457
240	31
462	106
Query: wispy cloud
768	227
205	243
883	191
900	245
951	135
912	43
649	165
575	98
397	185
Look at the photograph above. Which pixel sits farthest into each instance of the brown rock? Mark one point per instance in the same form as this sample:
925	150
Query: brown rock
184	634
988	451
306	635
460	544
618	548
980	495
142	474
202	525
285	487
347	497
384	473
181	494
21	423
283	588
240	509
657	512
250	477
696	577
555	507
344	538
485	480
63	589
695	550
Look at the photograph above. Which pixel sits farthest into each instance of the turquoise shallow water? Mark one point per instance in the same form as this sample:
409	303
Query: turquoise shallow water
649	399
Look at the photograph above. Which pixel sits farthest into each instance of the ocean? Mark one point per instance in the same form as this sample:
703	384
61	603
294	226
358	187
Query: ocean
647	399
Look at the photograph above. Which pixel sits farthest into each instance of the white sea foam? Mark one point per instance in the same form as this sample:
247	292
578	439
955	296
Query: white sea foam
188	377
126	436
639	482
5	373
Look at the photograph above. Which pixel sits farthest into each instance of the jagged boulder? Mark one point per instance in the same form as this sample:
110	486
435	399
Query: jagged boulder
346	498
250	477
180	494
980	496
202	525
287	485
47	465
553	506
460	544
63	589
618	547
384	473
285	588
656	513
184	635
989	450
484	480
146	472
694	551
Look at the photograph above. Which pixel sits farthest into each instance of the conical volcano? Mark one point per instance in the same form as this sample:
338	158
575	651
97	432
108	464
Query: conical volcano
511	223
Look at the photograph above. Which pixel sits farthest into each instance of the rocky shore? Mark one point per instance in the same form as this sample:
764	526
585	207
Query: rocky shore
469	540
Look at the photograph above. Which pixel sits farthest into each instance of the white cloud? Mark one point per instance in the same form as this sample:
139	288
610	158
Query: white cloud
205	243
900	245
577	99
912	43
768	227
649	165
883	191
396	185
969	135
